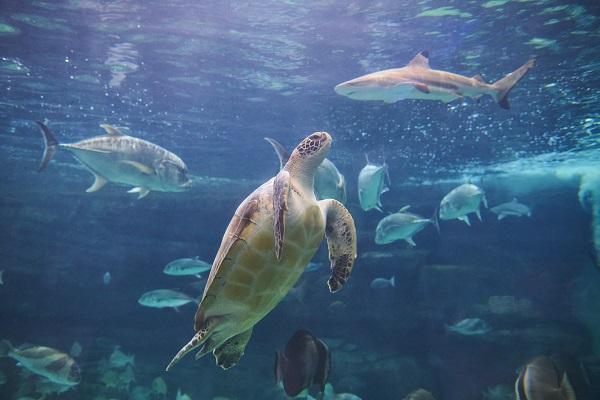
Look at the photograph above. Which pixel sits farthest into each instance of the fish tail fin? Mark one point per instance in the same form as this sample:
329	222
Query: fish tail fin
393	281
566	389
435	219
5	348
50	145
504	85
282	153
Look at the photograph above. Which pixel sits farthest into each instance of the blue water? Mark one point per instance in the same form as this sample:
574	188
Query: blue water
208	81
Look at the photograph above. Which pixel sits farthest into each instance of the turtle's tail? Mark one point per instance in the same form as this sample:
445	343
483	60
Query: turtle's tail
191	345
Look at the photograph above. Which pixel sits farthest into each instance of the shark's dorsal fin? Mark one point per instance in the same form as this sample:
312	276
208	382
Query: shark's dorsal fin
420	60
405	208
111	130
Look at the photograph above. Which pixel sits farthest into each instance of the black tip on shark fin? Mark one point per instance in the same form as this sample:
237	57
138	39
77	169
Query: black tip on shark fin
425	53
50	145
503	102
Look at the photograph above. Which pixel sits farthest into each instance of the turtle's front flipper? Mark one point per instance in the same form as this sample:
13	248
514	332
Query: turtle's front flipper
281	187
341	240
229	353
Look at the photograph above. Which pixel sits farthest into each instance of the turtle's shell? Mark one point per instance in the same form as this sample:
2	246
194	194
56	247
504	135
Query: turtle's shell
246	280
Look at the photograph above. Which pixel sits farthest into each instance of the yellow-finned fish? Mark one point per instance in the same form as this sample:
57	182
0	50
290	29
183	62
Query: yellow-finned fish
119	158
57	367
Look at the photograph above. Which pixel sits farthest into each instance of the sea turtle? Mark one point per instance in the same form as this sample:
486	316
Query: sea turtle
271	238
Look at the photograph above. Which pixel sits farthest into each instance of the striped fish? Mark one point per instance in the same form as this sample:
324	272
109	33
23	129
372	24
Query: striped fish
57	367
417	80
116	157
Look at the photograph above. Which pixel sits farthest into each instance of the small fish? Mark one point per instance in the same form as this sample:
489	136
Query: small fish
116	157
469	327
371	185
304	362
419	394
106	278
512	208
159	387
539	380
75	350
313	266
1	277
118	359
182	396
402	225
337	306
329	182
187	266
417	80
162	298
57	367
382	283
462	200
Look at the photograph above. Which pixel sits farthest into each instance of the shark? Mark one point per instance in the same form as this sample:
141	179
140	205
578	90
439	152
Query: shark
417	80
119	158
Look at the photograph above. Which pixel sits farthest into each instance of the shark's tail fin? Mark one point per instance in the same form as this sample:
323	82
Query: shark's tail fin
504	85
50	145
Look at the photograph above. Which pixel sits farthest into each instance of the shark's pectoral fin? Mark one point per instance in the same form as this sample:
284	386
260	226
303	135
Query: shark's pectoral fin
143	168
421	87
142	192
410	241
98	184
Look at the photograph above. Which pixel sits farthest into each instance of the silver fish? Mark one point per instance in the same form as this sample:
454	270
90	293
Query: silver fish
371	185
118	359
57	367
417	80
329	182
382	283
462	200
186	266
512	208
162	298
116	157
402	225
540	380
469	327
106	278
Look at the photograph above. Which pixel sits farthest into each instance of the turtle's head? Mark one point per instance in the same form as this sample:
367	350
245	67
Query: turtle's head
308	155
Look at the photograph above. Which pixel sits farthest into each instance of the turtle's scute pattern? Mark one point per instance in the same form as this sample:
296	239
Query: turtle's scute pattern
311	144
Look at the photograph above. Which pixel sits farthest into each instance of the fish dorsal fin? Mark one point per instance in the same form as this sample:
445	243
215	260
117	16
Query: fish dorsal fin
367	158
405	208
420	60
479	78
111	130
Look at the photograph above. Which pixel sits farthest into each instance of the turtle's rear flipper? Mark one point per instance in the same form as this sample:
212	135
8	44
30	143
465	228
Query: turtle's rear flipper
229	353
341	240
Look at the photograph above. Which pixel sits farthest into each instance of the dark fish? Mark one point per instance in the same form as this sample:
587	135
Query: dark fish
50	363
540	380
304	362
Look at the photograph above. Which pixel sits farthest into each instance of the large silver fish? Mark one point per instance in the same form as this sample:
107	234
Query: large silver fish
512	208
417	80
402	225
57	367
187	266
540	380
161	298
116	157
462	200
329	182
371	185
